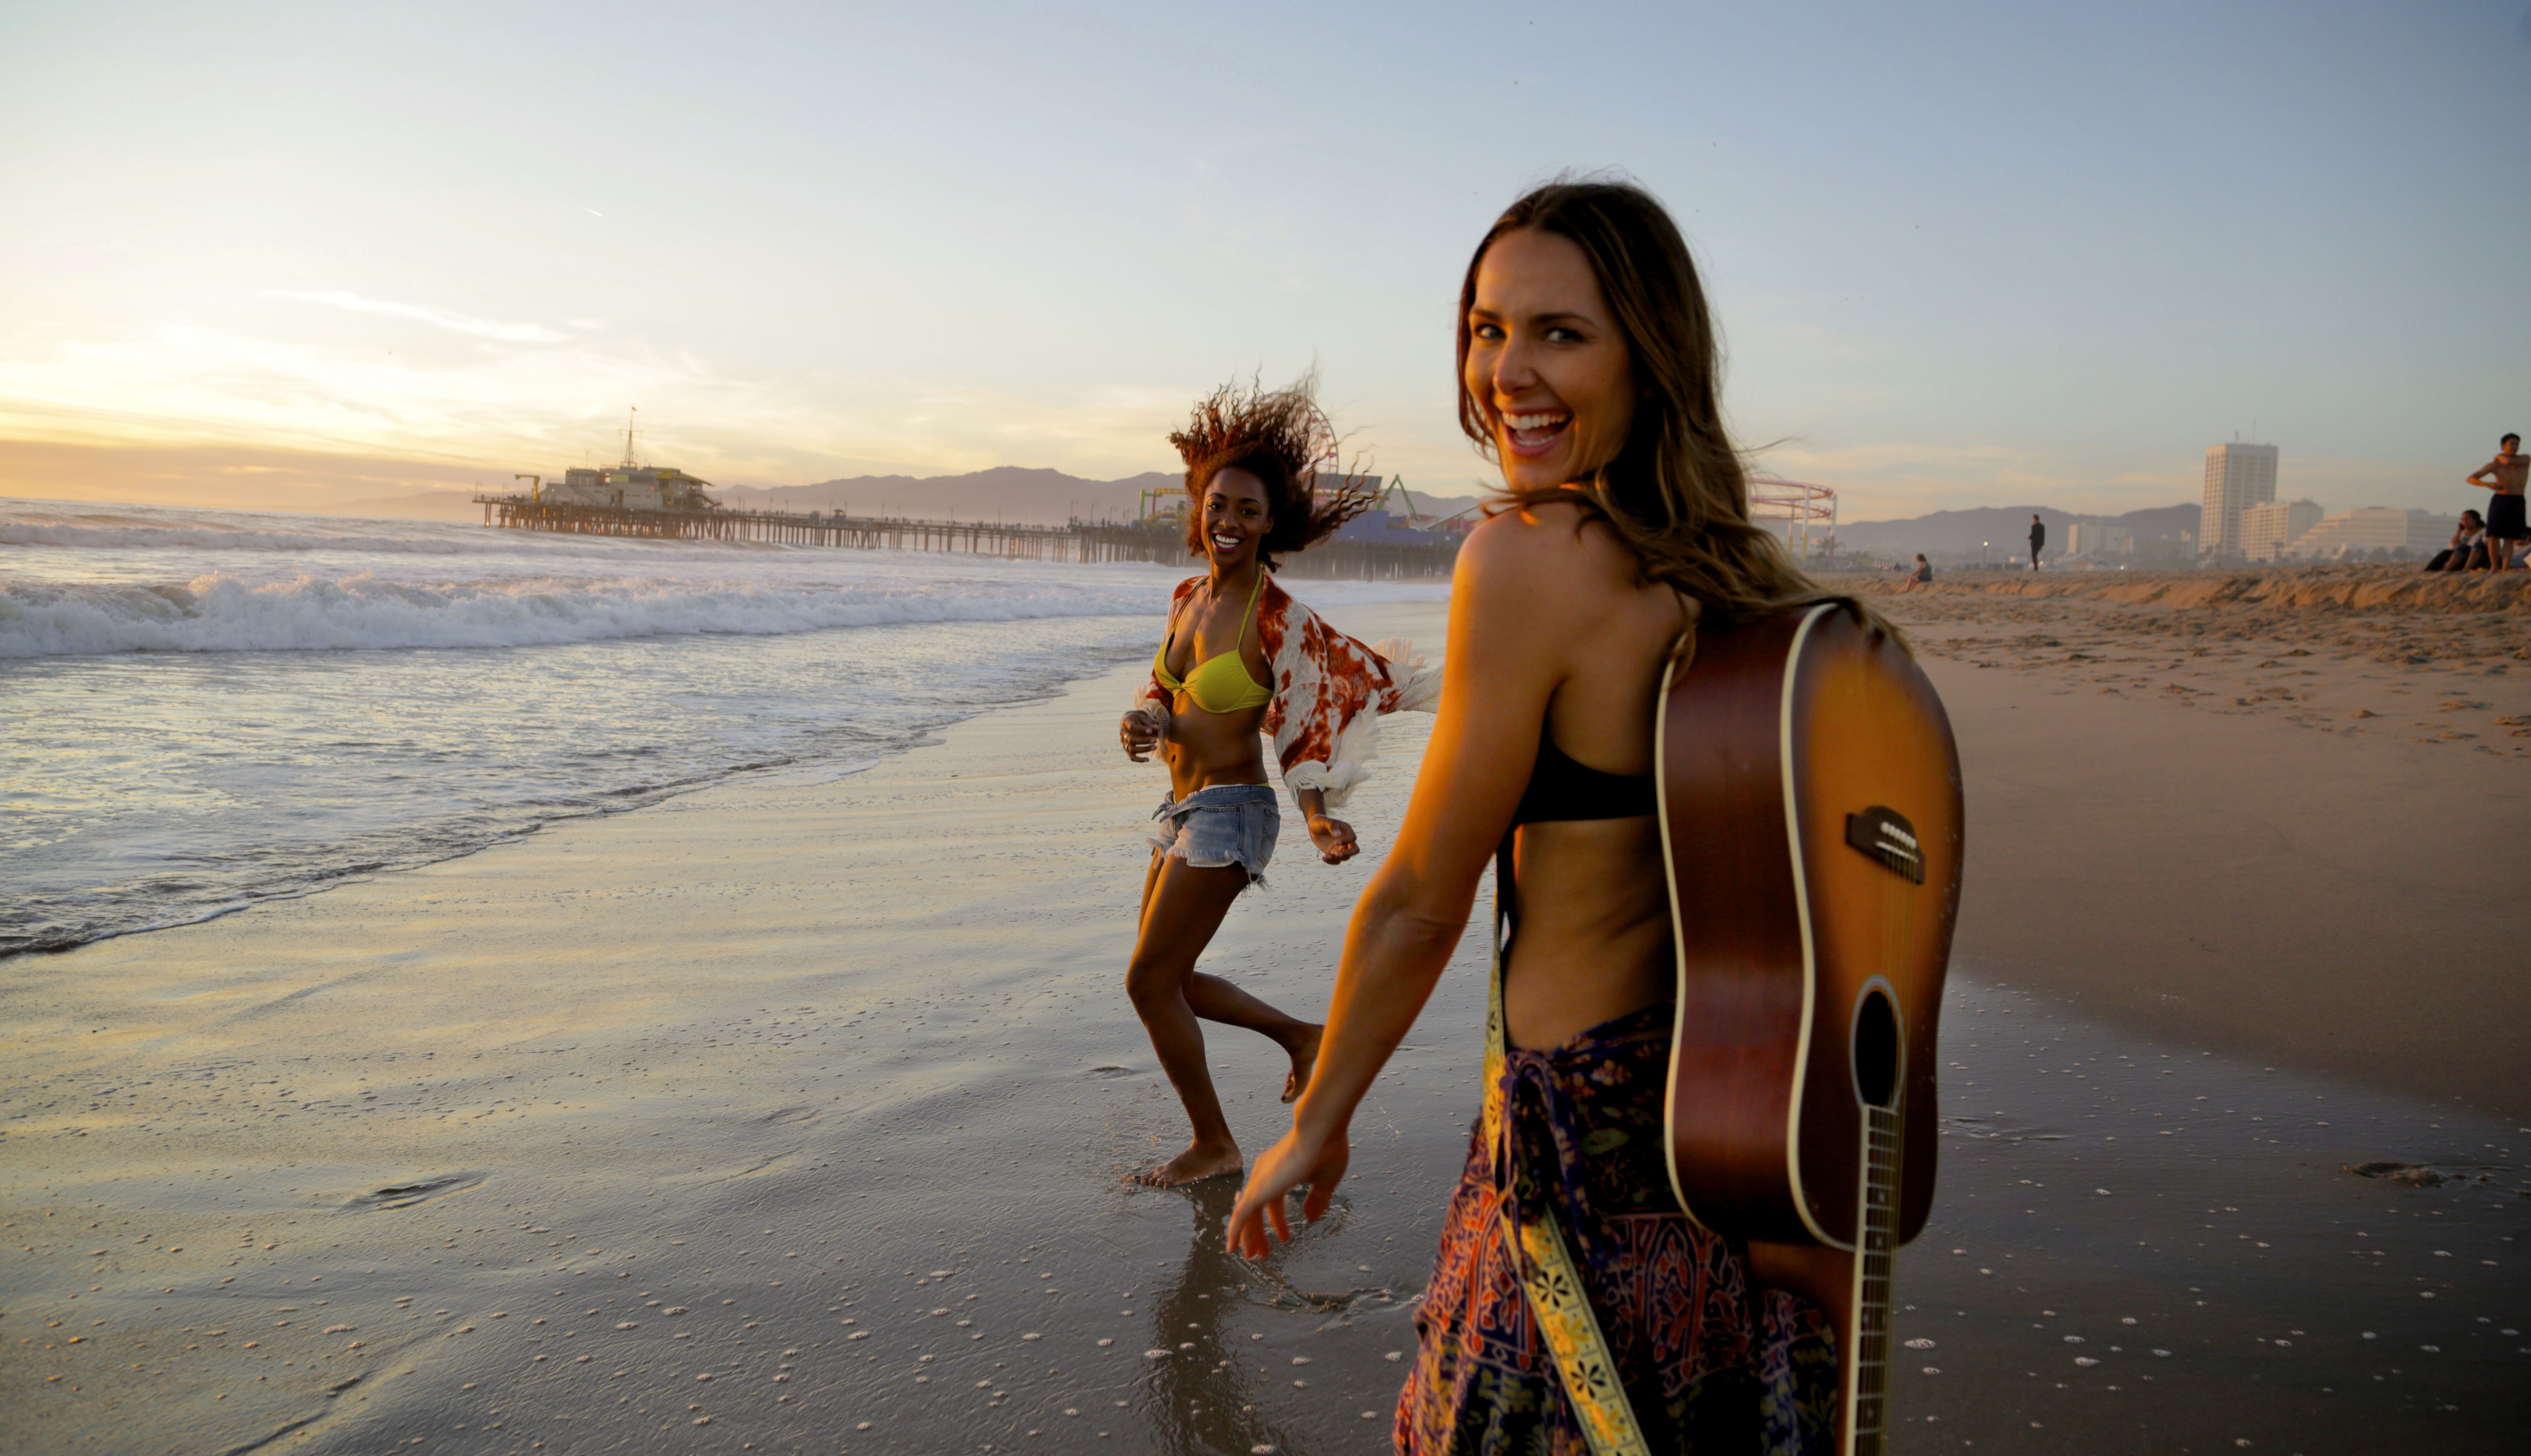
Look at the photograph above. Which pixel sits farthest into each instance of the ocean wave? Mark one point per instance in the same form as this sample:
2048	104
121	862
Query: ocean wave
442	541
212	538
106	530
219	613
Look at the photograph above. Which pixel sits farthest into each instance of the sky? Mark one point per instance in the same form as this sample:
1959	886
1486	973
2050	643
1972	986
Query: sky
1962	254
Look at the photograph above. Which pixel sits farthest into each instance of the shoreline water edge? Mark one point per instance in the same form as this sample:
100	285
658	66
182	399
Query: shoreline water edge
206	710
792	1112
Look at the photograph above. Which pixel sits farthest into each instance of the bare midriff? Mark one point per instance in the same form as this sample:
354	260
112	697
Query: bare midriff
1205	748
1594	940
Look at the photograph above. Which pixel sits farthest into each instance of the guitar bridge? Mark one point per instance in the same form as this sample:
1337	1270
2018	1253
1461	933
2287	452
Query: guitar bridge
1883	834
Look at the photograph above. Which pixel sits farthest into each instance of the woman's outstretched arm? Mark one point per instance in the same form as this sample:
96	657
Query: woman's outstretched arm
1507	646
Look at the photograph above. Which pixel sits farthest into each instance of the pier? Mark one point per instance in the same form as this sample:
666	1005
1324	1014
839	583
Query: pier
1080	541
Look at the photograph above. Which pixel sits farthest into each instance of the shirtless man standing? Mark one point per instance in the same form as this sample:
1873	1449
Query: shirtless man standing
2504	474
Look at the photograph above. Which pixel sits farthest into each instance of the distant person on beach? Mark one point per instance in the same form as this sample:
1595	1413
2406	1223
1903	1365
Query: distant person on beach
2468	545
1922	573
2038	539
1251	471
1588	372
2506	474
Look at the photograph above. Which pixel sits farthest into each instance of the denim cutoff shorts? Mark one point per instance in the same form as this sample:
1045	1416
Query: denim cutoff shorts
1225	824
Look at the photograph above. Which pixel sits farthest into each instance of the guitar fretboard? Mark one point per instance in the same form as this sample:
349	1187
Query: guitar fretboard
1876	1249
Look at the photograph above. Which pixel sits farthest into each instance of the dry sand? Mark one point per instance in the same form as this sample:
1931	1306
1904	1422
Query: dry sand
2283	813
787	1106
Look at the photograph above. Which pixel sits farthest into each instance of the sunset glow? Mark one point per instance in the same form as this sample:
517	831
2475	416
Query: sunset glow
1976	259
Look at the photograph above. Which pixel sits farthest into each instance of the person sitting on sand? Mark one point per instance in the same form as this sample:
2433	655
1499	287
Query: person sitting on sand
1588	370
2506	474
2467	542
1923	574
1250	469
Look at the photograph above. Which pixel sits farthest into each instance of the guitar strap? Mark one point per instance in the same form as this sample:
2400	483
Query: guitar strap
1557	1299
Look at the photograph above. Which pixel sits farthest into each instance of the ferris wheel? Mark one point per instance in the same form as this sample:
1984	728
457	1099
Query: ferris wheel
1799	505
1322	427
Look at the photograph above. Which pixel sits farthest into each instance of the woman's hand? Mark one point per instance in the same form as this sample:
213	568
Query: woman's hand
1289	1163
1140	733
1335	839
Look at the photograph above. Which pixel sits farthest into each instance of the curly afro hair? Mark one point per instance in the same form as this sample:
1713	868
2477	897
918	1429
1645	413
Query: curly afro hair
1279	437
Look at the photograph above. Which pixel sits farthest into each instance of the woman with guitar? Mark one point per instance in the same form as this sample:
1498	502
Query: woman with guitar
1242	659
1589	372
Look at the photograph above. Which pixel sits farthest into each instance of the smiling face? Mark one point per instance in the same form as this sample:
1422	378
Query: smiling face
1546	366
1236	516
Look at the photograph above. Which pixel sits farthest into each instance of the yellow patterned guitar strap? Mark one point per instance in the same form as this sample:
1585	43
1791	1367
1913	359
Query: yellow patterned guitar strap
1557	1300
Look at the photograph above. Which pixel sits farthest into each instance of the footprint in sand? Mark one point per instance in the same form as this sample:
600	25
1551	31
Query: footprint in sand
406	1195
2415	1174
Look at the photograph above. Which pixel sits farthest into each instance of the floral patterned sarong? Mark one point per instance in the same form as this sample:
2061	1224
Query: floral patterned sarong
1706	1364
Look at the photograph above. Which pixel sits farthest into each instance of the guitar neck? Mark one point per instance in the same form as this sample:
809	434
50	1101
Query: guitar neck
1865	1356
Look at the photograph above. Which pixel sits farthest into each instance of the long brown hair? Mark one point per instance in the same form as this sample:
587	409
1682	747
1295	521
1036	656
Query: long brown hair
1279	437
1677	492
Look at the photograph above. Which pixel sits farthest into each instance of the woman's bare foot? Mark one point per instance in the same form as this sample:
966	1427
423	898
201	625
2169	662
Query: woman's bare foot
1305	1060
1194	1166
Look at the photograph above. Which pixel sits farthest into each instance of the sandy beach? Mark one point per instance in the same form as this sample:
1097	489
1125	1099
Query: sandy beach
2281	814
792	1114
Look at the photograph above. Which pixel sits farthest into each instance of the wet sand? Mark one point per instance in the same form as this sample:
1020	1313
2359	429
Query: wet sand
793	1115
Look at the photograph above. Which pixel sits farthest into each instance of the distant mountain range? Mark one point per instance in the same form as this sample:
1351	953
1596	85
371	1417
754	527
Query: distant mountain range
1049	497
1014	493
2006	528
1005	492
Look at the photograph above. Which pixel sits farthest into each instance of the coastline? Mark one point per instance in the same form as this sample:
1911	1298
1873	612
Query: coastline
822	1086
849	1012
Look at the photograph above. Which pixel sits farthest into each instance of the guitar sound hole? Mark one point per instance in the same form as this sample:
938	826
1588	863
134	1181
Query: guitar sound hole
1876	1050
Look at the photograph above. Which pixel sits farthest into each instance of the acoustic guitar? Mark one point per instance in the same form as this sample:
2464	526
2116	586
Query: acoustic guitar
1810	818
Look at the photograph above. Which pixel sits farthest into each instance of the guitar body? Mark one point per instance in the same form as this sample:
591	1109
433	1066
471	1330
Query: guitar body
1811	830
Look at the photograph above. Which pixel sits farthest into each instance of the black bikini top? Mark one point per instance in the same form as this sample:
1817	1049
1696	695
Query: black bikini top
1559	788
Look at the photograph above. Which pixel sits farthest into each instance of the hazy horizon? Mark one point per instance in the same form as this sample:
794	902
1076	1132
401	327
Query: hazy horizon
162	479
1976	256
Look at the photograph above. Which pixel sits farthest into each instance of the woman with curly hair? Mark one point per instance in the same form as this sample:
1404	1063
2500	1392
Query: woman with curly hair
1589	372
1242	659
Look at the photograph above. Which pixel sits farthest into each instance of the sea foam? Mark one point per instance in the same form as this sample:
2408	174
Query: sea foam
203	710
203	538
222	613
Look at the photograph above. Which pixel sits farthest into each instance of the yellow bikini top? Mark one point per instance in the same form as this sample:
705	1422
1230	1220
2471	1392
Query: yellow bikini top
1218	685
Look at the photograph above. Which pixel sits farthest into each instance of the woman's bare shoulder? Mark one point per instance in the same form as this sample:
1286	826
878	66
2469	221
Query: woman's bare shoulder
1178	598
1550	546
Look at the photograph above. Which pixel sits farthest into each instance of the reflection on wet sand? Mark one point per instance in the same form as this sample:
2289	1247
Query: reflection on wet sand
815	1199
1204	1375
2141	1245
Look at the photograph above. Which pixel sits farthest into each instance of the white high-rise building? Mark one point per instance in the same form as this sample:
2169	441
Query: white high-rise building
2368	528
2269	529
2097	538
2237	477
